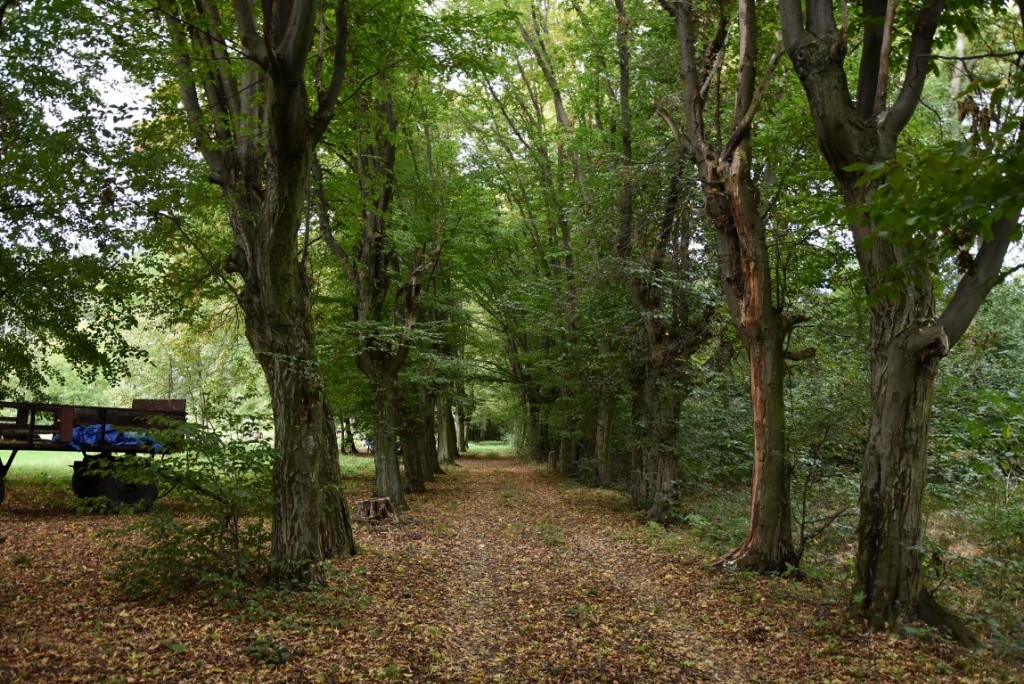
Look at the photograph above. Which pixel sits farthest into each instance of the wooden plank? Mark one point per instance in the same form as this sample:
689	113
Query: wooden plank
66	422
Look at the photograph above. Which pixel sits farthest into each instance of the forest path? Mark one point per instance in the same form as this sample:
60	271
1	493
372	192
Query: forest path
533	580
500	573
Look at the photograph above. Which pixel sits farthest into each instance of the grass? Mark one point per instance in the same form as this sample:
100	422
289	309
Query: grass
41	465
489	448
55	466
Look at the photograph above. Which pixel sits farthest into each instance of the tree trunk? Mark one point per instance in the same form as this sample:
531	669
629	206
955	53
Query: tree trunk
410	431
567	452
310	519
348	438
336	532
429	436
254	128
769	543
447	442
905	356
462	429
602	431
387	481
656	420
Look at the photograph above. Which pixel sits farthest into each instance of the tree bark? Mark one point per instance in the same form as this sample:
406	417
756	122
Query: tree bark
602	447
654	486
447	442
255	132
745	272
907	338
768	546
462	428
410	433
674	323
387	478
348	438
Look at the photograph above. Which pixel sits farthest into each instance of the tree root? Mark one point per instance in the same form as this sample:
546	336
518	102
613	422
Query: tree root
746	557
931	613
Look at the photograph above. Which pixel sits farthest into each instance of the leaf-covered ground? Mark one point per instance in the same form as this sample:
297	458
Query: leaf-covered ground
499	574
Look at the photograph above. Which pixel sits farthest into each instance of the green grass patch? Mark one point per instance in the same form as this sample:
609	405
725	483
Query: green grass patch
489	448
55	466
42	465
356	467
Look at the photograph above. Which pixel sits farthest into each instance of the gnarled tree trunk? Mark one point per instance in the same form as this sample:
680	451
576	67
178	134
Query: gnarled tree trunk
745	272
907	338
254	129
654	486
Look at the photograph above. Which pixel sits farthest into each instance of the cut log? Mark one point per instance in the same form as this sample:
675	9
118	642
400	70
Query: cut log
376	510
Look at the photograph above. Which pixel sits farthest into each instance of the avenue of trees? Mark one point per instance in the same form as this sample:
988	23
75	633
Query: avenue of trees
658	245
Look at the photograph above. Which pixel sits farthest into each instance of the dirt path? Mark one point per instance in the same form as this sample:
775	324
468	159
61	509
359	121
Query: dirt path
500	573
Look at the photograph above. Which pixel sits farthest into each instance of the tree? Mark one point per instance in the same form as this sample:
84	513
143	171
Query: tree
242	78
67	227
857	130
731	197
662	278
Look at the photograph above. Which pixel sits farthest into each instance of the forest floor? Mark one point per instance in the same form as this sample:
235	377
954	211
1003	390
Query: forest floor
500	573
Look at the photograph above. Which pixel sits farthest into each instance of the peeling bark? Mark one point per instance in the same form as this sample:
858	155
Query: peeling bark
745	272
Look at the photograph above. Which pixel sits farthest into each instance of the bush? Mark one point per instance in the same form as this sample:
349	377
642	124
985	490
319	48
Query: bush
222	540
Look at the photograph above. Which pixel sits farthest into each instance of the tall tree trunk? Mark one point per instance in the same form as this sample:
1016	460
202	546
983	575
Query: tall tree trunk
567	453
602	433
447	442
310	519
430	433
387	480
256	132
907	338
888	569
745	271
462	428
654	485
768	546
348	438
336	536
410	431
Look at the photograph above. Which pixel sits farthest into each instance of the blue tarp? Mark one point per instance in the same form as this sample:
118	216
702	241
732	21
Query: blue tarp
85	436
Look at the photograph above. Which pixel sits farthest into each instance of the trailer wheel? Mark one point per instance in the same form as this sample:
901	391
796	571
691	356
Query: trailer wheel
88	483
131	493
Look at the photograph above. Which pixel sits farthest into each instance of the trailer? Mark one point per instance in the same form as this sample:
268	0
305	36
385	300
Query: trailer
103	435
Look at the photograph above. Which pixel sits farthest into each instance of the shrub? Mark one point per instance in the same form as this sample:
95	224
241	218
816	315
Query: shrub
221	538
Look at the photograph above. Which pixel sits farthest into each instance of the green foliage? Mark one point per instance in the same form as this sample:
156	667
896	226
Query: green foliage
222	541
267	651
67	228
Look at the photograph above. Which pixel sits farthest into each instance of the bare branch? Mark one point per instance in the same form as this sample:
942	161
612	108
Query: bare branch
190	96
885	53
742	127
791	15
896	117
328	101
323	215
975	285
252	41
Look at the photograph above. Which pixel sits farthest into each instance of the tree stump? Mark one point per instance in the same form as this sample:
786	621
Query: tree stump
376	510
